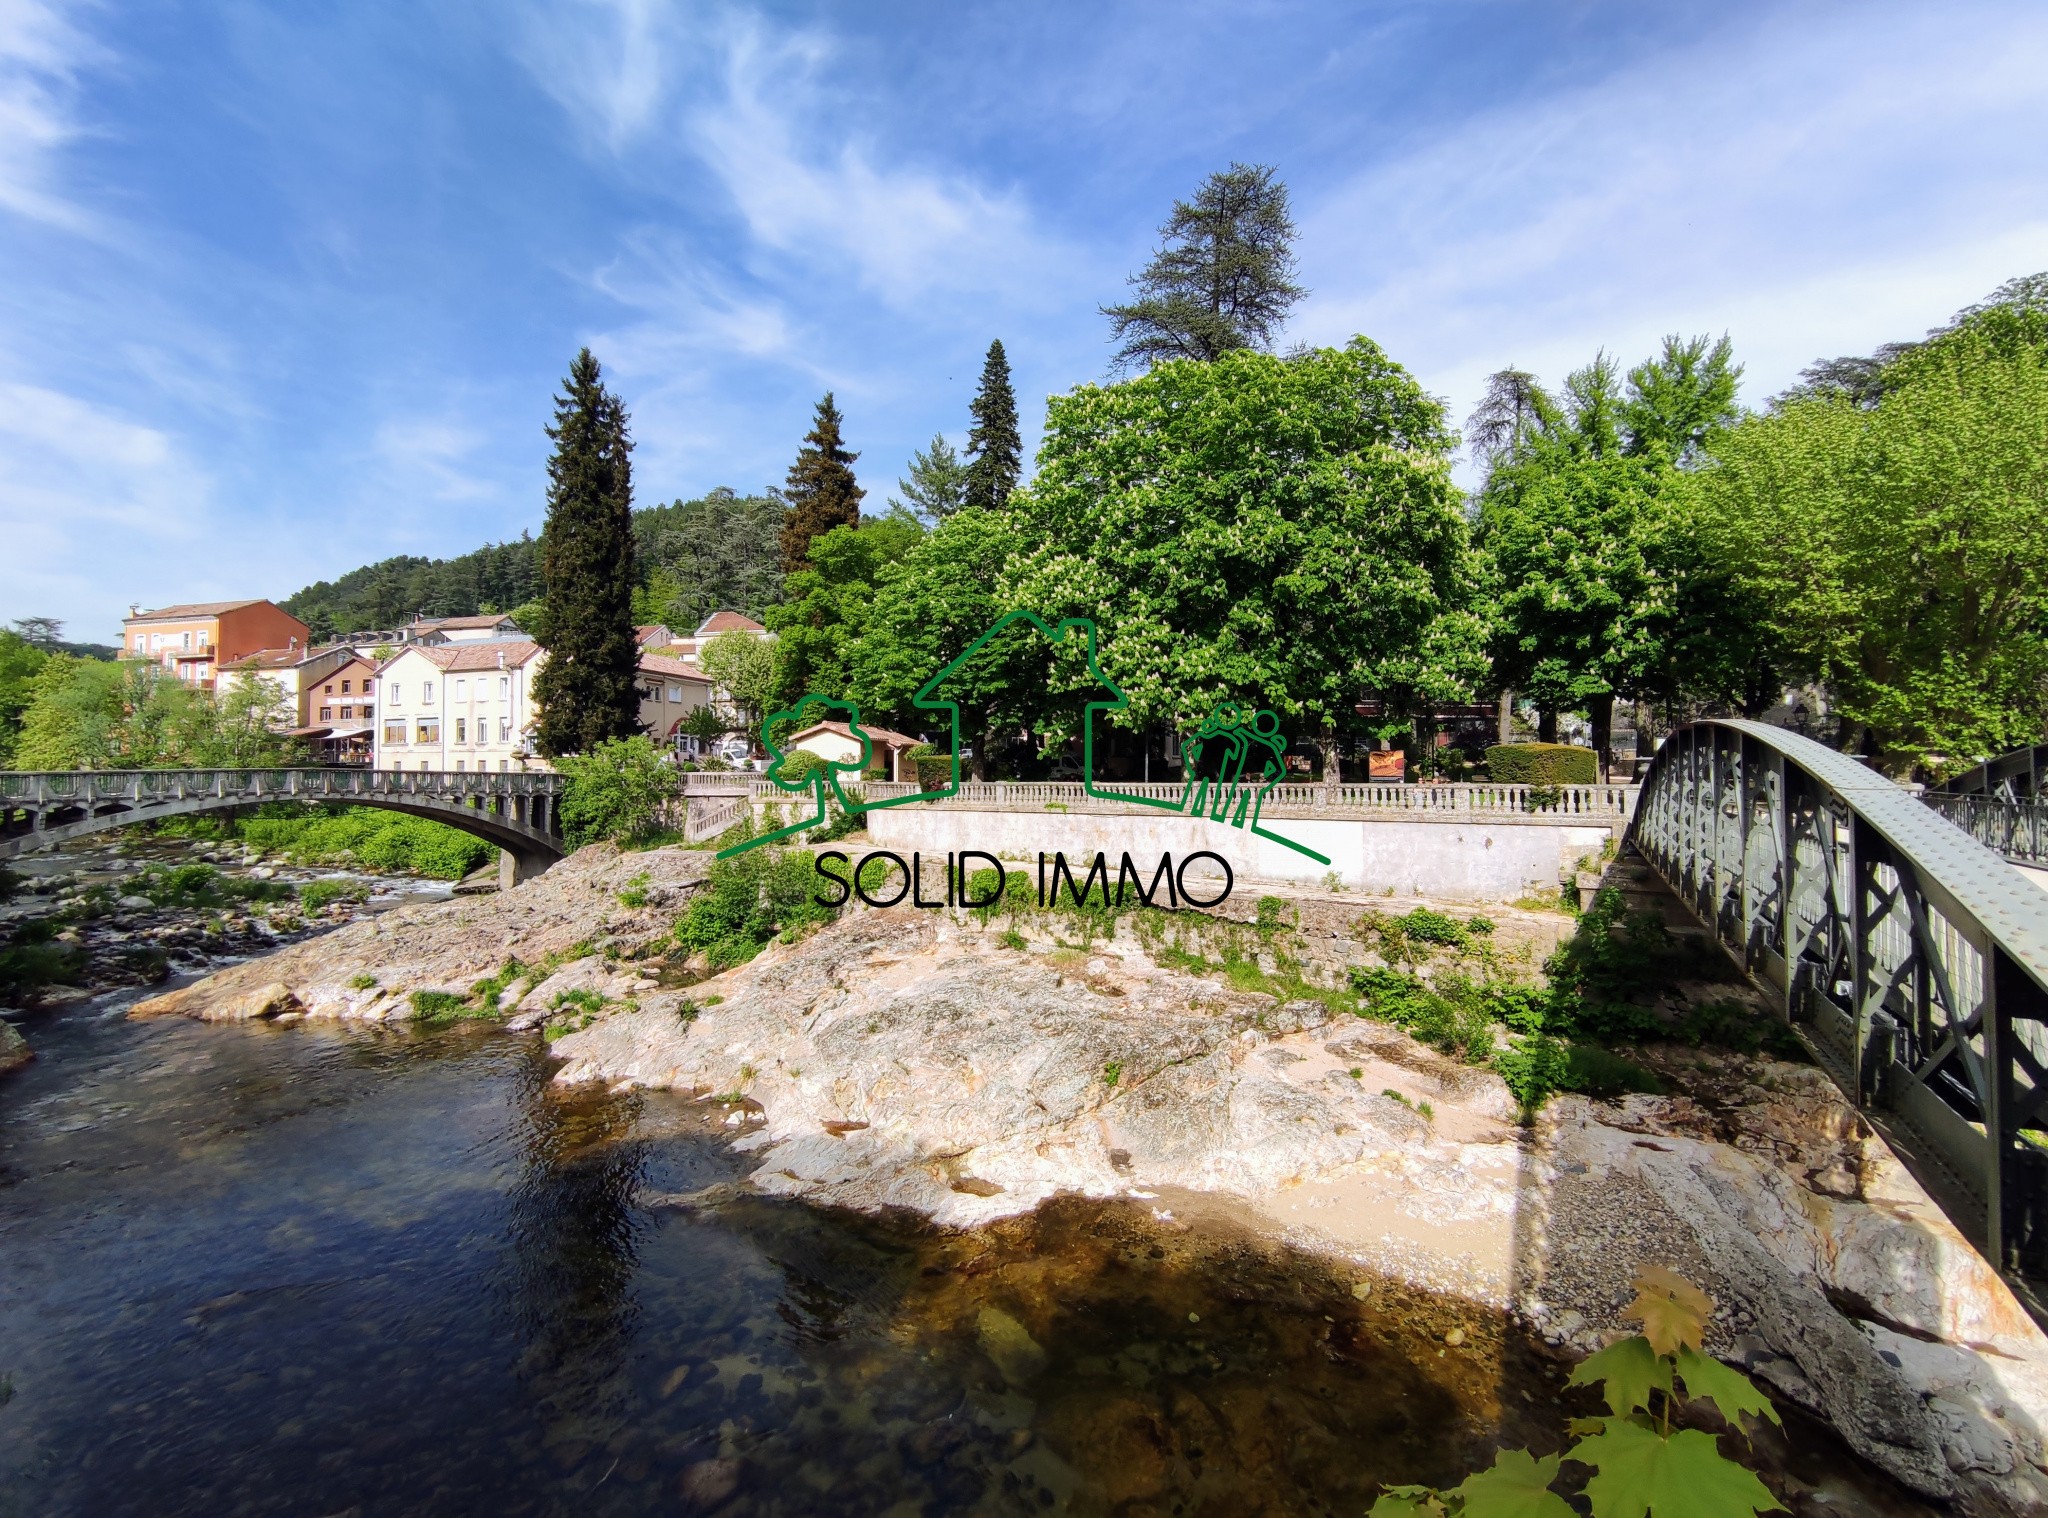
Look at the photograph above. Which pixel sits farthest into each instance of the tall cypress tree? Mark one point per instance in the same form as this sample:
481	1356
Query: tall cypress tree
995	450
587	691
820	488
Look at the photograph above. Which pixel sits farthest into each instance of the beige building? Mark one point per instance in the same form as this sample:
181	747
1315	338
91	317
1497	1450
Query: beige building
835	743
669	691
478	629
458	707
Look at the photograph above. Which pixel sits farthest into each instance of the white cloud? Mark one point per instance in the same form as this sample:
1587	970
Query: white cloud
434	459
607	62
1817	184
41	55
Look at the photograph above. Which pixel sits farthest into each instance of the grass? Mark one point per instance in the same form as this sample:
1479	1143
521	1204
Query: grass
1112	1071
362	982
317	895
635	893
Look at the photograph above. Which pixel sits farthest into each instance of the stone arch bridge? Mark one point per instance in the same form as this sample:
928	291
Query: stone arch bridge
519	814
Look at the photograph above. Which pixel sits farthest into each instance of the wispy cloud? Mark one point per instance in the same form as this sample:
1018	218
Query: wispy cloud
41	55
608	63
1809	190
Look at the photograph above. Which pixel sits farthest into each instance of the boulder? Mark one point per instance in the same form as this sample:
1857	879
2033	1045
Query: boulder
14	1049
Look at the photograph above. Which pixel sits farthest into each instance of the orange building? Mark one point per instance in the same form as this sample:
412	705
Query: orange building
193	641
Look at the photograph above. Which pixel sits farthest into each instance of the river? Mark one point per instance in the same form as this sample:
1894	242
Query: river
256	1270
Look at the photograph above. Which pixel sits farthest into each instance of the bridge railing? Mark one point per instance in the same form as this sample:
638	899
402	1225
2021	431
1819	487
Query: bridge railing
2016	829
302	784
1594	803
1914	957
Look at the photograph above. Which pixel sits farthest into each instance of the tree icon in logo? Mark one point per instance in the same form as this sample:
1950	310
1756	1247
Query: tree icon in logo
817	777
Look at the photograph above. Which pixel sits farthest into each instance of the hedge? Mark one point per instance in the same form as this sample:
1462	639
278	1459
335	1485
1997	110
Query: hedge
1541	764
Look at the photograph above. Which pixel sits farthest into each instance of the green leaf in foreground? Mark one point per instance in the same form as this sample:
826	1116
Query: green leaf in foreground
1631	1370
1407	1502
1727	1388
1518	1486
1638	1475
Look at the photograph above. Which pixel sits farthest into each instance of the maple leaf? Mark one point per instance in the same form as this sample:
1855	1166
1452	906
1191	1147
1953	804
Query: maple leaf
1517	1486
1631	1370
1672	1310
1727	1388
1638	1475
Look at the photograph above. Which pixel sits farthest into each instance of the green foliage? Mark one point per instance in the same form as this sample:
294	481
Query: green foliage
318	895
20	662
742	665
1453	1016
1272	915
620	789
30	961
995	449
366	836
799	764
588	690
820	488
201	885
936	486
86	714
487	992
363	982
748	902
1642	1467
1899	551
1112	1071
1314	495
439	1006
635	893
1223	281
1541	764
830	602
721	551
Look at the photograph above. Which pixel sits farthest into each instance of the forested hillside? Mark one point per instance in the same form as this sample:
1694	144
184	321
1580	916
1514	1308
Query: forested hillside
693	558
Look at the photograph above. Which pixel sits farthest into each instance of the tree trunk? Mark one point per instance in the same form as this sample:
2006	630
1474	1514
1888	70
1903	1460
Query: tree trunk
1333	764
1507	716
1602	712
1546	725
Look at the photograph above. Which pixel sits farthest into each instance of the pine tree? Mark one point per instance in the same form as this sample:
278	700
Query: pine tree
820	488
936	486
995	452
587	691
1224	280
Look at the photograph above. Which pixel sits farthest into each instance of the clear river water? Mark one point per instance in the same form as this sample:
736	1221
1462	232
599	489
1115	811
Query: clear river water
311	1271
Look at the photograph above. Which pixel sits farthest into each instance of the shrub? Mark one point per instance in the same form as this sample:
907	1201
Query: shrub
1548	764
1424	926
934	769
1593	1071
375	839
318	895
750	900
439	1006
798	766
363	982
620	789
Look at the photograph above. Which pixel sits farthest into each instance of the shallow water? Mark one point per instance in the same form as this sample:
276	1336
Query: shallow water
250	1270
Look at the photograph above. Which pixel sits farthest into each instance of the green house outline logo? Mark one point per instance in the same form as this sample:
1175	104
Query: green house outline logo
1239	731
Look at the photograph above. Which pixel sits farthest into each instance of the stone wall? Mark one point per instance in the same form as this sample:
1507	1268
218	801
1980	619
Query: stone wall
1485	859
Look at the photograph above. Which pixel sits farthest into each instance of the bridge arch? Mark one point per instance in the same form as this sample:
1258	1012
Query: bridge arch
518	814
1913	960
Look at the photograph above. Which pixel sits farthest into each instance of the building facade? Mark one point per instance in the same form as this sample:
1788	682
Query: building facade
196	640
669	691
459	707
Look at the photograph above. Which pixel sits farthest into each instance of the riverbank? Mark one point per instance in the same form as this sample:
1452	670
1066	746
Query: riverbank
972	1070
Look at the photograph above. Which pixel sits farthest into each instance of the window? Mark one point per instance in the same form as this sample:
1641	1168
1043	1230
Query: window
675	695
368	685
203	638
462	730
426	766
428	730
458	770
326	714
184	640
427	691
394	732
142	642
344	691
395	696
504	729
461	690
327	689
506	764
350	711
505	694
368	713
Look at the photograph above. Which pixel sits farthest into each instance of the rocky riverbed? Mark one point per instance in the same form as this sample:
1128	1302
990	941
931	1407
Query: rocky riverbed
972	1071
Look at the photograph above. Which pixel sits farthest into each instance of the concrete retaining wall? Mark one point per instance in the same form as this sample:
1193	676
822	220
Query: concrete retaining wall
1451	860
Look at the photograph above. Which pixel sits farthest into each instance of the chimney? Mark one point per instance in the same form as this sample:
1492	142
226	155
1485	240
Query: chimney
501	658
134	608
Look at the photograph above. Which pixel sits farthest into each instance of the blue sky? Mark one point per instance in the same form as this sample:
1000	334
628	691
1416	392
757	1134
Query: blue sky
286	288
